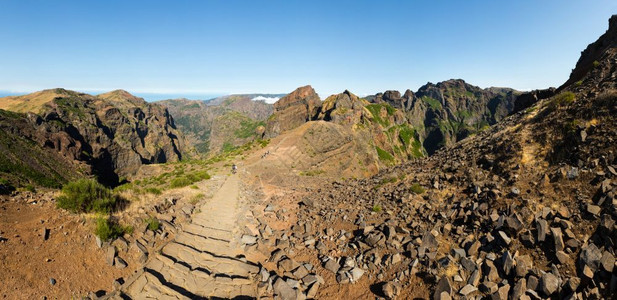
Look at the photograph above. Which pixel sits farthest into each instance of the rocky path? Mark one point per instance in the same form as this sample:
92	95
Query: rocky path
204	260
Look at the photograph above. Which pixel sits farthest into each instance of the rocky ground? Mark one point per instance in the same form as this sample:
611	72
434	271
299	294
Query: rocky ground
524	210
45	252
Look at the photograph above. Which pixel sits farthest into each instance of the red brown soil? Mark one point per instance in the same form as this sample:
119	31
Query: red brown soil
70	255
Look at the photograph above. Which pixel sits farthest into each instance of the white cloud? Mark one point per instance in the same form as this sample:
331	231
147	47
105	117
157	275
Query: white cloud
269	100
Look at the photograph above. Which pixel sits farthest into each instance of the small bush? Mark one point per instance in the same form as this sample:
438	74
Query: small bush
86	195
107	229
388	180
180	182
376	208
153	190
416	189
595	63
153	223
194	187
195	199
30	188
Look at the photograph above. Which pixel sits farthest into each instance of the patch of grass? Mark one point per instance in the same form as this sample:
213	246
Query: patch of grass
86	195
25	171
388	180
561	99
375	110
189	179
180	182
376	208
107	229
194	187
154	191
153	223
312	173
578	83
595	63
30	188
432	102
195	199
247	128
384	155
417	189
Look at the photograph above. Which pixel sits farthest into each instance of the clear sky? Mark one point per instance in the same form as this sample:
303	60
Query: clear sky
216	47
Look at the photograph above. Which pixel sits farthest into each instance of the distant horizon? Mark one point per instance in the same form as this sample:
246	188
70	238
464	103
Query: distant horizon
160	96
220	47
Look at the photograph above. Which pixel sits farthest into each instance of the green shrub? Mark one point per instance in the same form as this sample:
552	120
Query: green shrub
86	195
311	172
154	191
180	182
416	189
107	229
195	199
388	180
153	223
376	208
595	63
30	188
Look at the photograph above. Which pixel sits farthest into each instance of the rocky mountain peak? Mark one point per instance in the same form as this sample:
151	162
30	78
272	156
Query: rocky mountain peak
293	110
595	64
305	94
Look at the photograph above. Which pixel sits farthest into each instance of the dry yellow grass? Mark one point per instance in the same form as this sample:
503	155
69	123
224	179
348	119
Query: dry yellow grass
28	103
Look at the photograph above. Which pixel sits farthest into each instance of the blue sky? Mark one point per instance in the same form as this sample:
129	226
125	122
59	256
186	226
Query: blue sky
219	47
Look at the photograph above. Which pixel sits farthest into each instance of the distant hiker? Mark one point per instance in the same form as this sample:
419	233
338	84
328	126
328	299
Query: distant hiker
234	169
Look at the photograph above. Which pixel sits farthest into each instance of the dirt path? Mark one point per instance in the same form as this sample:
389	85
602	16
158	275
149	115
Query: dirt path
204	260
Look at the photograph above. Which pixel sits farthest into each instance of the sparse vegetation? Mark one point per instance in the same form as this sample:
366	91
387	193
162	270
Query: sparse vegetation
433	103
376	208
86	195
153	223
595	63
312	173
417	189
384	155
188	179
107	229
375	110
154	191
196	198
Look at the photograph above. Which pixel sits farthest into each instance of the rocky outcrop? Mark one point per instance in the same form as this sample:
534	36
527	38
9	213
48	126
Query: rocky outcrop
449	111
528	99
293	110
113	133
595	68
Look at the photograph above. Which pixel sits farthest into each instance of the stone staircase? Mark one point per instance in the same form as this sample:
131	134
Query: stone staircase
204	261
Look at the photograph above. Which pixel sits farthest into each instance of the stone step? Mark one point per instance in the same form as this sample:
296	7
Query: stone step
196	229
212	263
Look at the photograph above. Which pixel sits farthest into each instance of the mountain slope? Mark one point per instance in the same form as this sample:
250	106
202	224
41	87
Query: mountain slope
113	133
221	123
524	209
388	128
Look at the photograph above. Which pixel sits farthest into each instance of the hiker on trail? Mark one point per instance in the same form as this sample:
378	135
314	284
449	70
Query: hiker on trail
234	169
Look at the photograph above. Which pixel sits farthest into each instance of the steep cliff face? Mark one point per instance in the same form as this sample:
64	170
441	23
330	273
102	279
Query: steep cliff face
113	133
293	110
454	109
596	68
